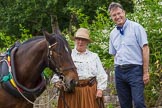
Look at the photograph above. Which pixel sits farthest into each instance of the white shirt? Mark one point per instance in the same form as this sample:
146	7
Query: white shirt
89	65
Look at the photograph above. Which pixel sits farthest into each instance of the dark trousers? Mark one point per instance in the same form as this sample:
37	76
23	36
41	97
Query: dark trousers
130	86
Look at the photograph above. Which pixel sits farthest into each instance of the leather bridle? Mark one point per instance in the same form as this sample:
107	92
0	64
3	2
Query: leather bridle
57	64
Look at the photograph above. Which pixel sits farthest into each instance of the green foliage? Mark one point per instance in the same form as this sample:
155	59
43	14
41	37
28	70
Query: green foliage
47	73
8	41
25	35
36	14
110	105
32	14
5	41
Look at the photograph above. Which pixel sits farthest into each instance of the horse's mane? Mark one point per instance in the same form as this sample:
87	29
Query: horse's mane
62	42
33	39
58	37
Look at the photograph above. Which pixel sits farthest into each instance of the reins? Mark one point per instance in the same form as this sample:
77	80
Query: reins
33	102
63	98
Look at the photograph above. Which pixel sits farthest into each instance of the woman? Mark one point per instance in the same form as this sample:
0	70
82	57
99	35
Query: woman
92	76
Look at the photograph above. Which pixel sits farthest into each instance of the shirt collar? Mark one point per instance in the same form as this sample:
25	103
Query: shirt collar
77	52
121	29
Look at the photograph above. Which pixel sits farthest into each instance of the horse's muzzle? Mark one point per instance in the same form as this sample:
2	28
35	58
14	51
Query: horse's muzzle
72	86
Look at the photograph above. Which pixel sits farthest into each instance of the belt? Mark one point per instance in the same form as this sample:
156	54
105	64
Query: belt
127	65
86	82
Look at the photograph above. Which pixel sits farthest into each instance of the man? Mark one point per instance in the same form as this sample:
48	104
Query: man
128	43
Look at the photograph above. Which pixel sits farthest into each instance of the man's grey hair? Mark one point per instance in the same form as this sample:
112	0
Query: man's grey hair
114	5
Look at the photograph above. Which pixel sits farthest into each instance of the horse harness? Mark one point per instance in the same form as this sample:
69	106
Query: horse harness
8	79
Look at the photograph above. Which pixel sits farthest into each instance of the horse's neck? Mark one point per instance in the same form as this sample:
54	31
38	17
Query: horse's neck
30	60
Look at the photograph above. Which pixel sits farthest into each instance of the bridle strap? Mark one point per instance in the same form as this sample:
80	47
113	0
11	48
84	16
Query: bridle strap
49	55
67	68
61	70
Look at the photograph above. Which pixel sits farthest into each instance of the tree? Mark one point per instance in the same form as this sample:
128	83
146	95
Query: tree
35	14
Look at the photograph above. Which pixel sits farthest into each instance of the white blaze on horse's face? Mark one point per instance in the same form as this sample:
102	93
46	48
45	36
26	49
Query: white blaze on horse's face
66	48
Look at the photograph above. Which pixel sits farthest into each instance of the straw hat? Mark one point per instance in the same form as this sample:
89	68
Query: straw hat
83	33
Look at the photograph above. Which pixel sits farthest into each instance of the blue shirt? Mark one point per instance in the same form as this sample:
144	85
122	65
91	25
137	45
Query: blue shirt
127	46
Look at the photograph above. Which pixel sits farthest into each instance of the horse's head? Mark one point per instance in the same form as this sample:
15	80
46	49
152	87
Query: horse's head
60	61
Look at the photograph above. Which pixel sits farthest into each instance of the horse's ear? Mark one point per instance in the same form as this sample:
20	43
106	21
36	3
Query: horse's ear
47	35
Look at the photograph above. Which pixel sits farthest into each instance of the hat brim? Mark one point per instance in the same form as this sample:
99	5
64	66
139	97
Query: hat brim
73	38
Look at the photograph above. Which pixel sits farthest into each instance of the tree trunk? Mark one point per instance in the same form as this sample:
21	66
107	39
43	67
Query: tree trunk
54	24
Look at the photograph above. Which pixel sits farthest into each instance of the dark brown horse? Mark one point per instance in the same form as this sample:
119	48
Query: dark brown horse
28	60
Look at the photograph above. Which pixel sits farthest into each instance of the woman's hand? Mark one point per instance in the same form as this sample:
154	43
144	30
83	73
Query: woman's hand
99	93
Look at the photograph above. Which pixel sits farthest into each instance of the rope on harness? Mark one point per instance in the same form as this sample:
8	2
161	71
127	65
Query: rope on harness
63	98
9	77
35	103
6	78
8	61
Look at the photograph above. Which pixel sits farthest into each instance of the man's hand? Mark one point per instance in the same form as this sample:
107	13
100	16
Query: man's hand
146	77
